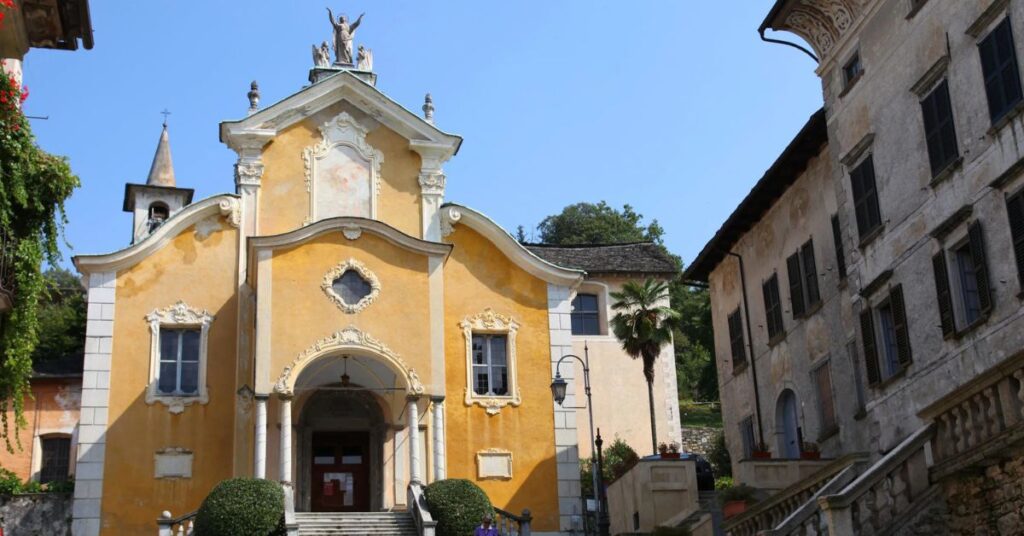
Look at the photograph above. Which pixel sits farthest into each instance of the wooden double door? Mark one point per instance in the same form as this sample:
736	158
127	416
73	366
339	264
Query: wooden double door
340	472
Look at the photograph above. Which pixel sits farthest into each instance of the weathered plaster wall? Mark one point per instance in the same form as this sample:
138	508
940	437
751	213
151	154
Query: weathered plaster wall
199	268
621	408
284	201
52	409
478	276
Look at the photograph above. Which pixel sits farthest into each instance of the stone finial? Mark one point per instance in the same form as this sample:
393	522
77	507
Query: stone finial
254	97
428	108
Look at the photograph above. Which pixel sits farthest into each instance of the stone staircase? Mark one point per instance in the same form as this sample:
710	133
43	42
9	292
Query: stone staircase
353	524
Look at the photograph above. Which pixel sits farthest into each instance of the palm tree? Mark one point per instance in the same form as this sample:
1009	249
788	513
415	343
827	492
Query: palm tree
642	325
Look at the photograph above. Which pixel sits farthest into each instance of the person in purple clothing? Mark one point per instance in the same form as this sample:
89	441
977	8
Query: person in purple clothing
485	528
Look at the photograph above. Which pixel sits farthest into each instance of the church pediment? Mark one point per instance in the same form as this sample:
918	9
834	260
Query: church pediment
263	125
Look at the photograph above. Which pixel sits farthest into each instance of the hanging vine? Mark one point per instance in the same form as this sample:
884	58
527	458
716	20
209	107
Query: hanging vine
33	187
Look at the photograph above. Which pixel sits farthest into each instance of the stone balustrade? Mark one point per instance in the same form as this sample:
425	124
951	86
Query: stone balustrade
176	526
885	493
776	474
773	511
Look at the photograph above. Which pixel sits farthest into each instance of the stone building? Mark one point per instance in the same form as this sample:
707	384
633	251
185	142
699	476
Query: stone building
335	325
866	294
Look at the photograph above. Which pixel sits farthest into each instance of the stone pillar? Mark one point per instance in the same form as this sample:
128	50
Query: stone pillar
260	449
413	413
439	455
432	182
286	439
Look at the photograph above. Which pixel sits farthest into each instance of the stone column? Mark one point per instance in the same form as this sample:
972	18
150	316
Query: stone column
439	454
260	449
413	413
432	182
286	439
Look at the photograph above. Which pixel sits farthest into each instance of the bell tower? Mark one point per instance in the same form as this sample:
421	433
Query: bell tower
156	201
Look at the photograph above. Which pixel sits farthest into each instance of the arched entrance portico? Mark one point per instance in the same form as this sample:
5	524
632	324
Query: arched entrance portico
355	443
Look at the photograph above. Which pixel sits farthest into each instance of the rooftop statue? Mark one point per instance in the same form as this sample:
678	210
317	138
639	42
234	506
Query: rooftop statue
344	33
321	55
365	59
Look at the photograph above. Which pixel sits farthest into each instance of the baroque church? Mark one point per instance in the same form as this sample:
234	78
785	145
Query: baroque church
336	325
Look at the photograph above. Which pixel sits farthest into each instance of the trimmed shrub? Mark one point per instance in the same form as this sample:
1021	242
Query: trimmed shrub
458	505
242	506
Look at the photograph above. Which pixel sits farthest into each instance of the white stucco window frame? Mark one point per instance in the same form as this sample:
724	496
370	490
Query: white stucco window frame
177	316
490	322
342	130
601	290
327	285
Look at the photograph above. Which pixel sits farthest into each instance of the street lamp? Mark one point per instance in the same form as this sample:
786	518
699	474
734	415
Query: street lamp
558	390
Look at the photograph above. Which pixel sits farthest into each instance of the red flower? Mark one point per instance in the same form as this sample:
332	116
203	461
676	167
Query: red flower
24	93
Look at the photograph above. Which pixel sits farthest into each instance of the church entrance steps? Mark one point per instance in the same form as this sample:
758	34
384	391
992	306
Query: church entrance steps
353	524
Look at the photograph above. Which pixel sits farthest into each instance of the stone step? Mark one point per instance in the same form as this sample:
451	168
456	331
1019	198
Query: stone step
355	524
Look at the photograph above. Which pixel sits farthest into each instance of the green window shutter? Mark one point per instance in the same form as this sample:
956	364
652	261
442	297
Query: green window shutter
867	332
943	294
899	316
977	242
810	273
796	289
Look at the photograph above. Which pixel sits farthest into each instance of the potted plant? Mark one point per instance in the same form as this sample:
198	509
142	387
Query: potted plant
669	451
810	451
760	451
735	499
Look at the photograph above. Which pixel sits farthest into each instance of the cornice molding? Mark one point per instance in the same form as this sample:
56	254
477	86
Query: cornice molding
822	23
225	205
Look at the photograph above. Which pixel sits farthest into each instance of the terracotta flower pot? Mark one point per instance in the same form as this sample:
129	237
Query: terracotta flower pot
669	455
810	455
733	508
761	455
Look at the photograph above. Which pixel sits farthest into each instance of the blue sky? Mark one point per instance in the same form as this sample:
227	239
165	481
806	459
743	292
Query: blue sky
675	107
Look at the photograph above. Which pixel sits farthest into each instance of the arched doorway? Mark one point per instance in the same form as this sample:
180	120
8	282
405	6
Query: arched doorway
787	425
342	433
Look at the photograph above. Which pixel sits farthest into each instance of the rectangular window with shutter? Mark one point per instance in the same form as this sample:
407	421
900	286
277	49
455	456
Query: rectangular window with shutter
837	242
939	129
1015	211
999	68
822	377
962	283
865	198
739	354
886	337
803	280
772	307
747	436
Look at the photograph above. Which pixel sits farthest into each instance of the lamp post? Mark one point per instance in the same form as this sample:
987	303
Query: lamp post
558	390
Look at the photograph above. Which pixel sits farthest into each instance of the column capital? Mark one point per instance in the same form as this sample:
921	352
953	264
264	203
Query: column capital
261	396
413	398
248	172
285	396
437	399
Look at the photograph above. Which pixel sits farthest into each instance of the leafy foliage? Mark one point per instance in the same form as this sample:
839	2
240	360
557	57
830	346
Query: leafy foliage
694	342
640	323
741	492
458	505
33	188
618	459
61	316
589	223
719	457
10	484
249	506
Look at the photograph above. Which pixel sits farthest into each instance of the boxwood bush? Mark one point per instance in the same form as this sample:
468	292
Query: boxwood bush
458	505
242	506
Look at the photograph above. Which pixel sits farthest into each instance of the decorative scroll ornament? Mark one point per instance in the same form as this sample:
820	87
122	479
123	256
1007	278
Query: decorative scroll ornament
348	339
823	23
248	173
432	182
334	273
231	209
179	313
492	322
449	217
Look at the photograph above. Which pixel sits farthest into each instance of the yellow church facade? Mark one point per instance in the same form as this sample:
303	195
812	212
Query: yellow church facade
336	326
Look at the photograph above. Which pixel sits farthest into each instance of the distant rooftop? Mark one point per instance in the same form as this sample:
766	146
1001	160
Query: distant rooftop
631	258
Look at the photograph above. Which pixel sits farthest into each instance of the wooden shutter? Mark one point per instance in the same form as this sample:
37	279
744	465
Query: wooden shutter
943	294
1015	209
796	288
837	237
899	320
810	273
867	333
739	354
977	242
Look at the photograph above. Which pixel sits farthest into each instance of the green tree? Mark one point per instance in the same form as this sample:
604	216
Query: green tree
589	223
33	187
694	342
643	327
61	316
618	459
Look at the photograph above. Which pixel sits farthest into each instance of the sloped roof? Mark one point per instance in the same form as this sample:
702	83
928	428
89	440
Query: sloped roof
635	258
780	176
161	172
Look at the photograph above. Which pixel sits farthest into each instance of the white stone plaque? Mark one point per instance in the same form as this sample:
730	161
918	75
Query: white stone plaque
494	463
173	463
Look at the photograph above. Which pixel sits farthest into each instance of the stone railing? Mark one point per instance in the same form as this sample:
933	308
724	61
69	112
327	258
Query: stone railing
176	526
807	519
885	493
776	474
509	524
773	511
425	523
982	416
